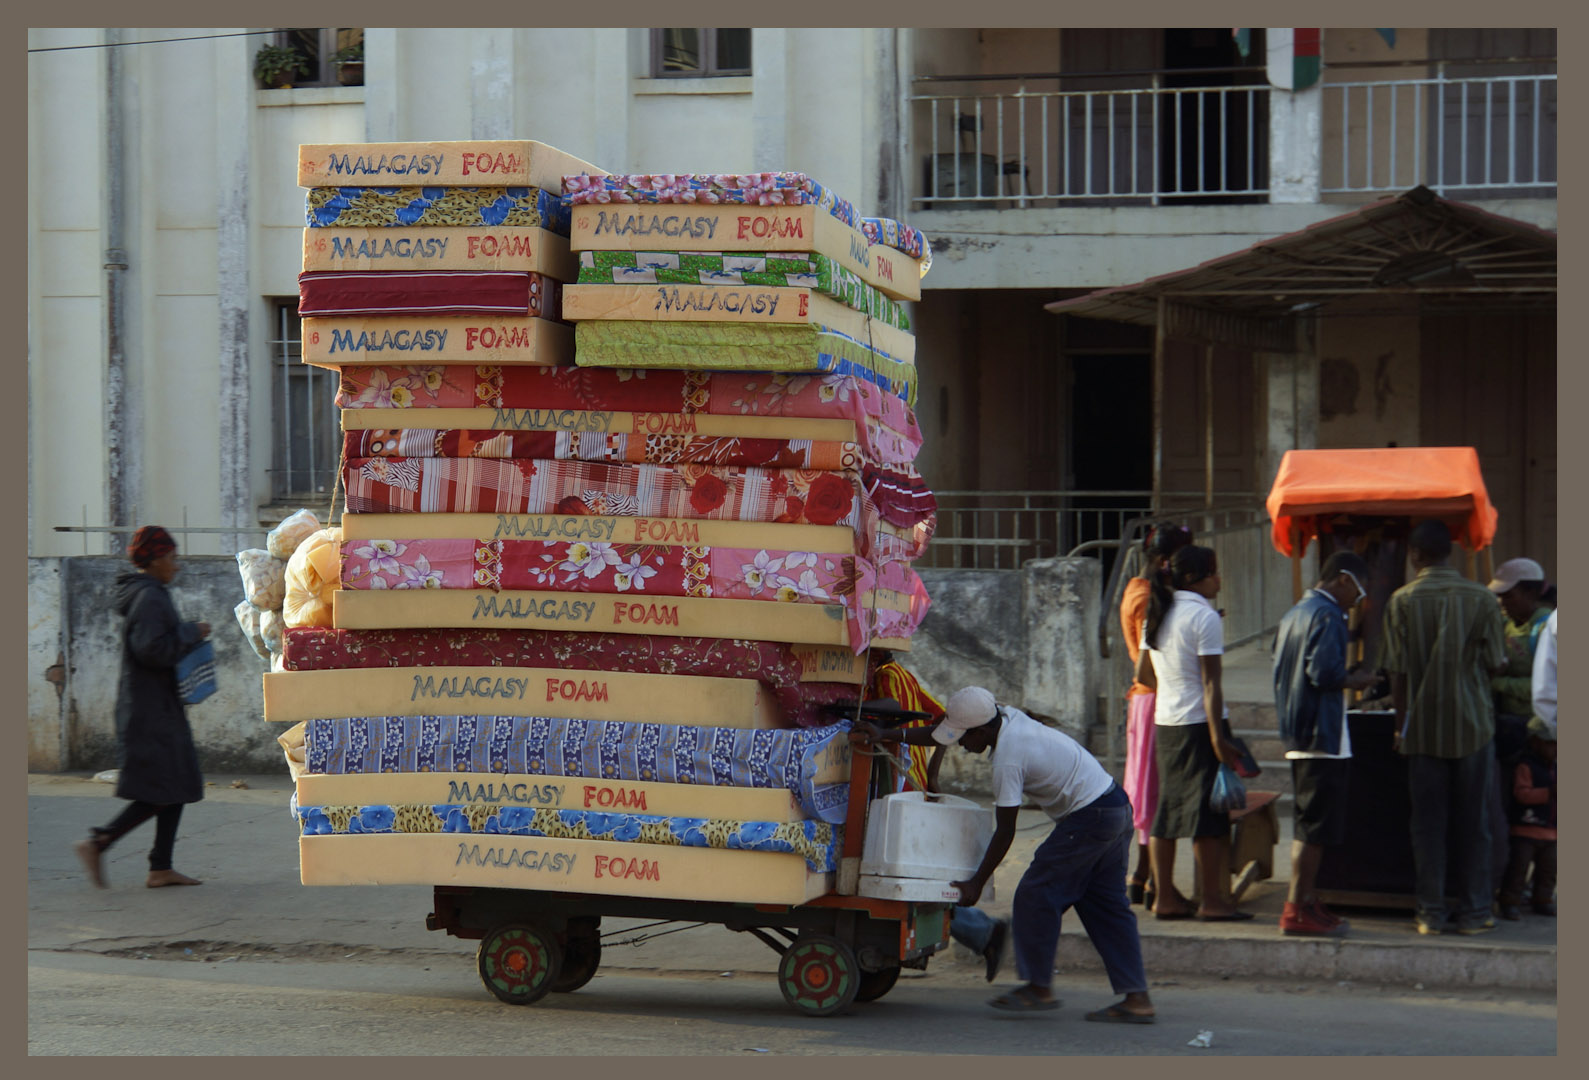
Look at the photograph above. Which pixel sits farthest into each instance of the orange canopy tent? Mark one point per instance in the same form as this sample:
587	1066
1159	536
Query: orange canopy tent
1428	482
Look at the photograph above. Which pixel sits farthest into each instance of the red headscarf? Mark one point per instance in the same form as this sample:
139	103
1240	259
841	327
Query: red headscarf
148	544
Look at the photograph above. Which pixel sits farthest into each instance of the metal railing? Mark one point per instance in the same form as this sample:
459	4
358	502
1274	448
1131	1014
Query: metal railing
307	446
1044	147
1000	530
1487	134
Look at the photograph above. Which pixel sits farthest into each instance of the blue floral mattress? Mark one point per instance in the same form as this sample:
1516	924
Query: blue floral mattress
474	207
817	841
811	763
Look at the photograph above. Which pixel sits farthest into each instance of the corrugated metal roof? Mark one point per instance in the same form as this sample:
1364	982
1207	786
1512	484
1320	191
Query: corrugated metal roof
1413	244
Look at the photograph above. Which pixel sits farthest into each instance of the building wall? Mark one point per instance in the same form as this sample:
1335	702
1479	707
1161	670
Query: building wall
1368	380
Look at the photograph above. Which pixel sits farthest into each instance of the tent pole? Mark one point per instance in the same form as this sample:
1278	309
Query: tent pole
1469	566
1487	564
1158	411
1296	565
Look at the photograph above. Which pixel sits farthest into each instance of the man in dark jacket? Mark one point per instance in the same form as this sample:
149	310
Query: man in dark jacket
159	767
1310	675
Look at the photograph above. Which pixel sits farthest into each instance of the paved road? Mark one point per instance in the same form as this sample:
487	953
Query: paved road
80	1003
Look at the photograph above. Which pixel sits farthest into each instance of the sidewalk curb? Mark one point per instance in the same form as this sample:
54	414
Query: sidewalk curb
1431	965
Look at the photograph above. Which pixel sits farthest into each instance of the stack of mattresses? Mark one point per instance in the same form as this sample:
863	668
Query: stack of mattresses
551	619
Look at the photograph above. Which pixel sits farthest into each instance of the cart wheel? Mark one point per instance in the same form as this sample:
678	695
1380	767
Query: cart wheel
874	984
581	958
819	975
519	962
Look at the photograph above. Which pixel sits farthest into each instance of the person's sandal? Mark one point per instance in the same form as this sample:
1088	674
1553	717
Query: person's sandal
1023	999
92	856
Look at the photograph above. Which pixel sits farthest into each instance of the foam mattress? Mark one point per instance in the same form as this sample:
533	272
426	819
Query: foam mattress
436	339
446	247
573	866
292	696
355	293
800	229
464	162
402	207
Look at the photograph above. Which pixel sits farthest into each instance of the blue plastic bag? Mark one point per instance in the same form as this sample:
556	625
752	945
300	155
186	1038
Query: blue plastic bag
196	674
1229	792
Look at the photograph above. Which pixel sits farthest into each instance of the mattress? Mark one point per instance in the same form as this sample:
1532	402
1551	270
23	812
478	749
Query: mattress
435	339
883	615
356	293
464	386
661	448
554	793
803	229
439	248
613	530
754	189
754	305
292	696
586	867
803	678
473	161
816	842
387	207
800	270
812	764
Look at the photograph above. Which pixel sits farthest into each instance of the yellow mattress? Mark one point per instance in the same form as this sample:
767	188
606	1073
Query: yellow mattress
693	227
445	247
291	696
734	303
602	867
467	163
441	339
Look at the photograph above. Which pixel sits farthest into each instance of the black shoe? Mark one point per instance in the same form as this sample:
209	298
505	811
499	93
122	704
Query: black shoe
1135	891
1548	910
1510	913
998	944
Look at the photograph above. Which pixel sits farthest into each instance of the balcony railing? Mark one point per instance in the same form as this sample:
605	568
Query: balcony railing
1026	147
1480	136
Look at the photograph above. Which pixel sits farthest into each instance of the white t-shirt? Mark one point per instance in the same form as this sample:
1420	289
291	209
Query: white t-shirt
1545	673
1191	630
1048	765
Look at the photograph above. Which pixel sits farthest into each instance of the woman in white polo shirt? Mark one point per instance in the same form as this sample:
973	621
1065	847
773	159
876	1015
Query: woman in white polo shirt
1182	649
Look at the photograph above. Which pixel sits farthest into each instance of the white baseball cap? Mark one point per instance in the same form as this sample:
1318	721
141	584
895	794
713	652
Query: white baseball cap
969	708
1512	571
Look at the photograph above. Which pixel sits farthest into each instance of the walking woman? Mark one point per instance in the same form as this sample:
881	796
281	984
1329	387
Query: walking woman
1183	650
1142	771
159	765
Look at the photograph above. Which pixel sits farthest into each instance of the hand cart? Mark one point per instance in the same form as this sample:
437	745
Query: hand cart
835	950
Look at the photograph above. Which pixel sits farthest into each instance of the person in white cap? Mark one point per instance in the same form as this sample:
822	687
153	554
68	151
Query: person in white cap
1082	863
1520	585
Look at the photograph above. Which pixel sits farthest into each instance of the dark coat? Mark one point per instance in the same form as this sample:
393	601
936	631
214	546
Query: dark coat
159	764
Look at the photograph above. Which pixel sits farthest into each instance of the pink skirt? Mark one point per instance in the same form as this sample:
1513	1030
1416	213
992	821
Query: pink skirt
1142	773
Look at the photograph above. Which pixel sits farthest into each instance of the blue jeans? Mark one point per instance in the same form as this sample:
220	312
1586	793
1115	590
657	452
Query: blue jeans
1082	864
971	927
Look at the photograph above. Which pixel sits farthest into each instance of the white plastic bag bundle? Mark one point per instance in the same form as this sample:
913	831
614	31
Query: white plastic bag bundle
270	628
294	529
248	618
314	573
264	578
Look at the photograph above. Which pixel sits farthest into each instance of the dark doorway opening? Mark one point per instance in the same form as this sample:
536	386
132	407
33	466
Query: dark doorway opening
1216	142
1111	444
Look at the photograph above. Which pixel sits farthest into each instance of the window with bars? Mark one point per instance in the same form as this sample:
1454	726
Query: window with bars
699	52
304	418
326	49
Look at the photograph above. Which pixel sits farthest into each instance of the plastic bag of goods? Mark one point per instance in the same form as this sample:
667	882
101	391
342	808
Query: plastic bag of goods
264	578
270	627
313	573
248	618
294	530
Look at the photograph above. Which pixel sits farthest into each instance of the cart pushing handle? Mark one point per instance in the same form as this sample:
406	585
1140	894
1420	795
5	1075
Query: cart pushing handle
884	712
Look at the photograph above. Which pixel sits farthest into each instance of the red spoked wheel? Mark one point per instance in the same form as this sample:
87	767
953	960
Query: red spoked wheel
819	975
519	963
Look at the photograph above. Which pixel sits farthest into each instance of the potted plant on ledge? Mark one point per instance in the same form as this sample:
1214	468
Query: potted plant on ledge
276	65
350	65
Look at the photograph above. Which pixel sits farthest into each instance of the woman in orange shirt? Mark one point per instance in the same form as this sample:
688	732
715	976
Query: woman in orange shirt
1141	776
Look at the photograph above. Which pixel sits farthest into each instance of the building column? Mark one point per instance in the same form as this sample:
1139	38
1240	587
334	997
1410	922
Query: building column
1292	418
769	99
1295	144
380	83
491	85
234	106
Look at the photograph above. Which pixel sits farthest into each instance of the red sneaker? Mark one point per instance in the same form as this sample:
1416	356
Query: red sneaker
1327	915
1299	920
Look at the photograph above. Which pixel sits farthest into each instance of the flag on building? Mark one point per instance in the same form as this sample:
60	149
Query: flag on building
1294	59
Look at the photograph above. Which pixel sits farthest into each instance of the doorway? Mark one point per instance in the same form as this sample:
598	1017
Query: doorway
1111	444
1213	146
